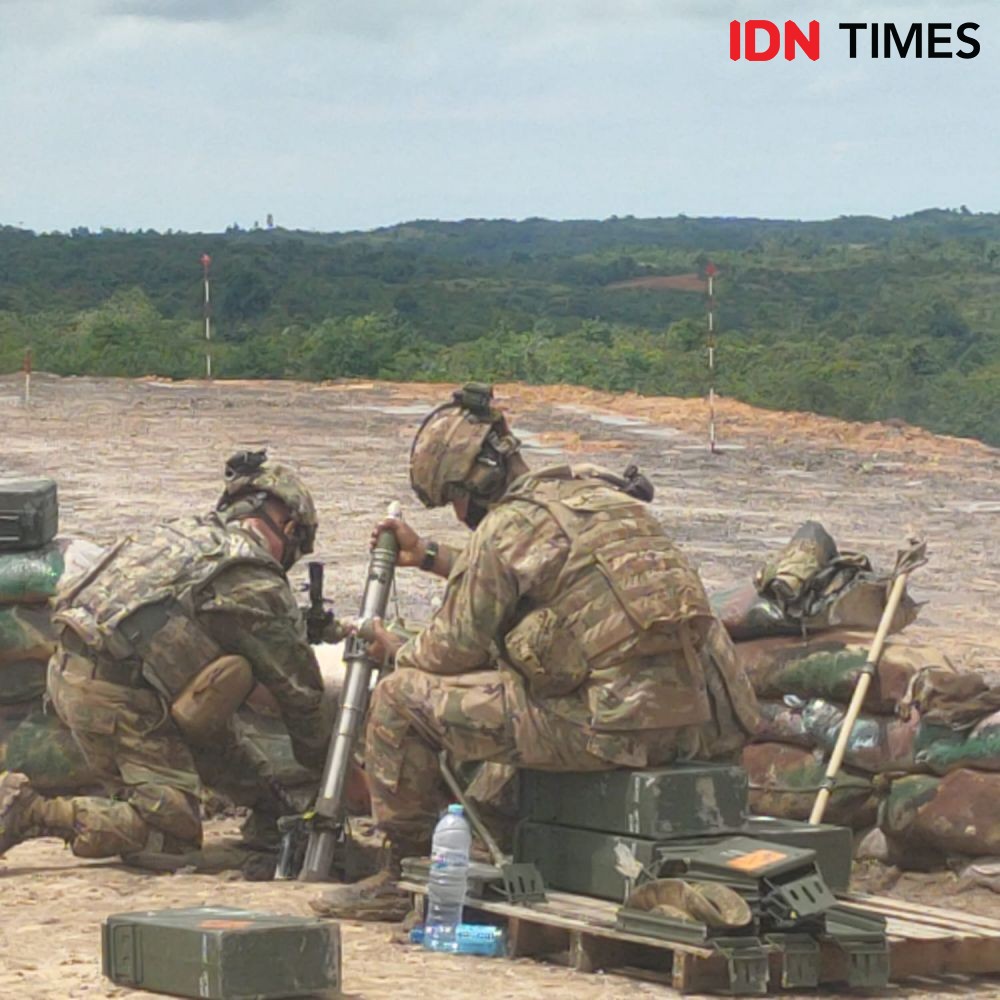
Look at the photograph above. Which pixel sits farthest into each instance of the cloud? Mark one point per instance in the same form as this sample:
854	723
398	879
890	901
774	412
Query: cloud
188	11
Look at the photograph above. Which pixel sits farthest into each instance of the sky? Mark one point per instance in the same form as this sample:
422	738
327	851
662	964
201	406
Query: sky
352	114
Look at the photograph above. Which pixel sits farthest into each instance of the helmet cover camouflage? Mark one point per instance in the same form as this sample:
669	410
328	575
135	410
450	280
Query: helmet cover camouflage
250	479
451	439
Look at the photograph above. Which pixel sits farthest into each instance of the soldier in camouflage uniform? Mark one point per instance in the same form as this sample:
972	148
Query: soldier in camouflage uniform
158	645
573	636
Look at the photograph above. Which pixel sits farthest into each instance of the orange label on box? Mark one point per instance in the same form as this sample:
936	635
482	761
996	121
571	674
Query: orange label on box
225	925
756	859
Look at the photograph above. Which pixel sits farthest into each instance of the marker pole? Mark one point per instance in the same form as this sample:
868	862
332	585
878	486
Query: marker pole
206	262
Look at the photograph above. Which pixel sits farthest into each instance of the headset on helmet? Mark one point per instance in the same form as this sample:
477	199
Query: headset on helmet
250	480
464	445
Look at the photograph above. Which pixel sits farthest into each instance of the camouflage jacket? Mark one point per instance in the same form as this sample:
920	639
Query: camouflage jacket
195	589
575	585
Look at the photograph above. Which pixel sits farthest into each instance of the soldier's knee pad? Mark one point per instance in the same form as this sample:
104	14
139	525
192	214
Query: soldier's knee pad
169	810
211	699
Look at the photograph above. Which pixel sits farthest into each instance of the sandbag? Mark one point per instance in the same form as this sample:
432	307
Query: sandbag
27	640
828	665
33	576
980	750
877	744
44	749
956	814
784	781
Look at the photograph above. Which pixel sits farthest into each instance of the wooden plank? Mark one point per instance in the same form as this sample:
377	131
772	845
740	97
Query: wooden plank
970	956
886	905
531	939
913	926
700	975
594	953
897	928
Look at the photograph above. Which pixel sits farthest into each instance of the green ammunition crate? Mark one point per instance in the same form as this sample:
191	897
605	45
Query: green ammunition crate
834	845
581	861
222	953
29	513
684	800
584	861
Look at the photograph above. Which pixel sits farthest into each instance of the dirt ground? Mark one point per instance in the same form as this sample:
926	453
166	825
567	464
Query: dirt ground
125	452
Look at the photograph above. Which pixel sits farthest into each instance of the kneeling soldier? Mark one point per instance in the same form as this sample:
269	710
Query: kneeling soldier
159	644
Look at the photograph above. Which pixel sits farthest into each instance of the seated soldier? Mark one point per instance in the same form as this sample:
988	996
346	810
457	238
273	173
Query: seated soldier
159	643
573	636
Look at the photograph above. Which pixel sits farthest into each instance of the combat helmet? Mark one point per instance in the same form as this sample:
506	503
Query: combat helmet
250	479
462	445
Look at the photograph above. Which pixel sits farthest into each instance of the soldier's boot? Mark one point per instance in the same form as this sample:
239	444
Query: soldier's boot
24	814
377	897
259	831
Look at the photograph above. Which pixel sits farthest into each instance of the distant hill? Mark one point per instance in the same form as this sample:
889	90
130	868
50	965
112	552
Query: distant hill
856	317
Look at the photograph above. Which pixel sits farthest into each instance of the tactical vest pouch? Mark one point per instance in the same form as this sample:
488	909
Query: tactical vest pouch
547	654
212	697
657	589
173	647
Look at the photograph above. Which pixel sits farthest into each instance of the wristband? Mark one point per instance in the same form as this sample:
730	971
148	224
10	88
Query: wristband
430	556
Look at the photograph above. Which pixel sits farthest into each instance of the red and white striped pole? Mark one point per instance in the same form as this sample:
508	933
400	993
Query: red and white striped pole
27	377
206	262
710	272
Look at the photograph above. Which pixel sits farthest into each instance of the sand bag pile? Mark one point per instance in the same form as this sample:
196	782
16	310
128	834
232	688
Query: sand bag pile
923	759
30	740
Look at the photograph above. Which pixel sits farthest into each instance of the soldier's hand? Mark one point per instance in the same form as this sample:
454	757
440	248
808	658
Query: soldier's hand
382	644
334	630
411	545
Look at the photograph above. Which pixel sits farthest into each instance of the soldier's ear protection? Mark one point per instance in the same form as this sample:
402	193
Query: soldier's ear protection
489	473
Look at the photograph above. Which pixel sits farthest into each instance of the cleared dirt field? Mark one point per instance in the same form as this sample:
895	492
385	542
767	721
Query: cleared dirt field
126	452
671	282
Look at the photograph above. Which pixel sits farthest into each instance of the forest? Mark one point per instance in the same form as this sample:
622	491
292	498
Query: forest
857	317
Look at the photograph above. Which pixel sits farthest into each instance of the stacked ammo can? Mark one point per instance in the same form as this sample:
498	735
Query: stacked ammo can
574	826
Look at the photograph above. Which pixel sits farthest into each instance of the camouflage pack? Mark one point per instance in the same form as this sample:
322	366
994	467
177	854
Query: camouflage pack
814	583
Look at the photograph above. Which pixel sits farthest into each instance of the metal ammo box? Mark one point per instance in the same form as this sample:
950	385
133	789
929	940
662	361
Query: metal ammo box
29	513
574	826
222	953
683	800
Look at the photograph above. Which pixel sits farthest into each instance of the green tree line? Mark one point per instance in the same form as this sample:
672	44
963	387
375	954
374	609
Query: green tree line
859	318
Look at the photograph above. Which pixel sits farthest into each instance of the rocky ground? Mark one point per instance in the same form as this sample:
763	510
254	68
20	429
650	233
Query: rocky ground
126	452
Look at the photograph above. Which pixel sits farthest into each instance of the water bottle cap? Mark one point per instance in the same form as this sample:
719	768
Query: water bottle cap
456	809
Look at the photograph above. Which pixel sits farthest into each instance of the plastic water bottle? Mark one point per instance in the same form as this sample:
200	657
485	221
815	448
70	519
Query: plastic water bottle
449	877
472	939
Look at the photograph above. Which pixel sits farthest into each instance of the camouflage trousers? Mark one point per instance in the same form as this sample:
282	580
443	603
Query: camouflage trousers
481	716
152	775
